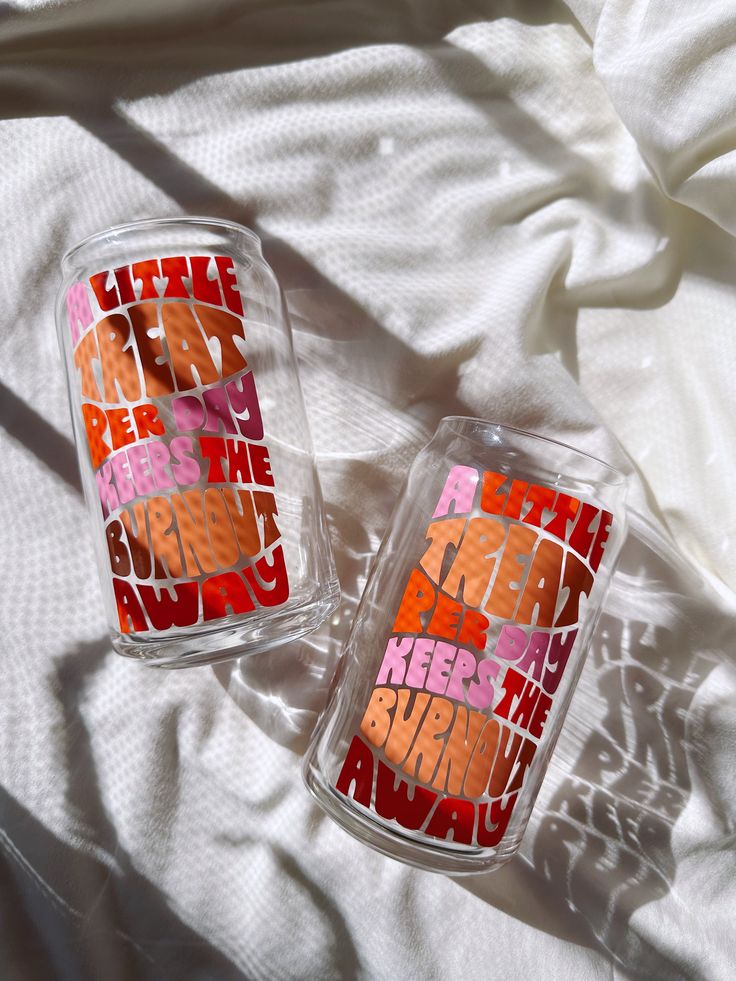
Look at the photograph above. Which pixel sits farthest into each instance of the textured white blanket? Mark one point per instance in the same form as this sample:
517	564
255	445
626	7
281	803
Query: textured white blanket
517	211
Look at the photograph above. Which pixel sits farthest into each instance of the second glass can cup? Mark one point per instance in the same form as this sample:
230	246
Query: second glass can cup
193	443
467	646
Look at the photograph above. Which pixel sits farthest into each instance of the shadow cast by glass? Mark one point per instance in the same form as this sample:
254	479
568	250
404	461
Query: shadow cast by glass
599	846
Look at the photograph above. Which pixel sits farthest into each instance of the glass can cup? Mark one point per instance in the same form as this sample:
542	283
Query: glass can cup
467	645
193	444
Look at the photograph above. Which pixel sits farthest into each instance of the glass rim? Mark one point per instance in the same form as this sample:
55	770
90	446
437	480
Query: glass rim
142	223
616	476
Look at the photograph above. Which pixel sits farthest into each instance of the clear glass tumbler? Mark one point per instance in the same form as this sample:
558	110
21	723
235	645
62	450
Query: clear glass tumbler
467	645
193	444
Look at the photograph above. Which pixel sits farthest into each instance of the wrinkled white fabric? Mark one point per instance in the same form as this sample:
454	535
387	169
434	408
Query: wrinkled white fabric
519	211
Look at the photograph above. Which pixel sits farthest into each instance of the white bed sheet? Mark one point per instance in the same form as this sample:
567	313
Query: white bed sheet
520	211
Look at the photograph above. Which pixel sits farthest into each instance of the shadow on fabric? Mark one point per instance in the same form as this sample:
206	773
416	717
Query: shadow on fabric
100	922
602	845
85	912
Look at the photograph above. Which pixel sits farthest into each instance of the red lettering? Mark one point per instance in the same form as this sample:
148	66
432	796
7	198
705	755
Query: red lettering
397	801
223	595
213	449
453	819
130	613
107	298
356	775
274	589
493	819
166	611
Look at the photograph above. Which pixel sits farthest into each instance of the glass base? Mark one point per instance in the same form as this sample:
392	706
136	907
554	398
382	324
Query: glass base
391	841
229	638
